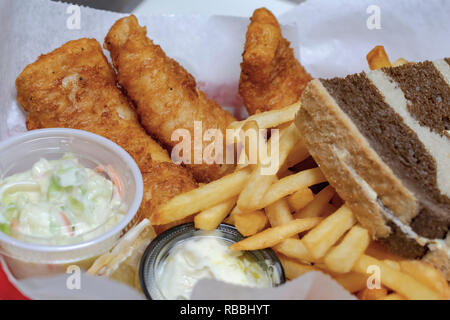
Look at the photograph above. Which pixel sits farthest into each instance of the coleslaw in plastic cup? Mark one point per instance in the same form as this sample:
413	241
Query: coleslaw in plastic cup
113	190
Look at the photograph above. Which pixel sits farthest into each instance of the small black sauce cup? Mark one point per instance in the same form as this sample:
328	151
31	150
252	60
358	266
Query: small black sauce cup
159	249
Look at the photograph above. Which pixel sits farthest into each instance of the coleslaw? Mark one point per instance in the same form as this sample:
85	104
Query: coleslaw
60	202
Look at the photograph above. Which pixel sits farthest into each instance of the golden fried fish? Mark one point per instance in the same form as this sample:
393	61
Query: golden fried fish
271	76
165	94
75	87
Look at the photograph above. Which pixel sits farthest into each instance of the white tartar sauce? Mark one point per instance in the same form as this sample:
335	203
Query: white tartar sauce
206	257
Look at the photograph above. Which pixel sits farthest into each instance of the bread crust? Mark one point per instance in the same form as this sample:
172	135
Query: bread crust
165	95
354	169
350	164
439	258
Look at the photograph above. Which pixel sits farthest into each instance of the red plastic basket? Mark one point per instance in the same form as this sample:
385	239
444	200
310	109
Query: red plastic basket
7	290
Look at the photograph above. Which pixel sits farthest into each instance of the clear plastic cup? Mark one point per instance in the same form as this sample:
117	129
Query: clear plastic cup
32	257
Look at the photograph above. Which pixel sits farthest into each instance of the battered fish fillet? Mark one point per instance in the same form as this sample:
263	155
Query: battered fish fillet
164	93
271	76
75	87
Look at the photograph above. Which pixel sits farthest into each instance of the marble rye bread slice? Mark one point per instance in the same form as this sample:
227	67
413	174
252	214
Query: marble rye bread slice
382	139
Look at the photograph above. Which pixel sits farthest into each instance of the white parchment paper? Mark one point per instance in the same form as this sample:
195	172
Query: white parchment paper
310	286
209	47
331	38
334	38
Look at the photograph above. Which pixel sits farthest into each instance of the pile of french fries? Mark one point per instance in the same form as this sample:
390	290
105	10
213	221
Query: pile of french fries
307	231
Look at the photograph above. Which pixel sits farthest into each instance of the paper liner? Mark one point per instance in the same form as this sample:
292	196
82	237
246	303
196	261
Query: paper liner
122	262
331	39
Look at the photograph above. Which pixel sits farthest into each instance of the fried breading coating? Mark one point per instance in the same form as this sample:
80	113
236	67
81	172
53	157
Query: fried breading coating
164	93
271	76
75	87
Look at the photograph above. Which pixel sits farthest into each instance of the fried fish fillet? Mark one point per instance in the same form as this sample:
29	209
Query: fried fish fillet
75	87
271	76
164	93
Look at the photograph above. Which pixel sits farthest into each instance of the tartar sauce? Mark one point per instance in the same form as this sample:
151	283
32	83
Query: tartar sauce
206	257
60	201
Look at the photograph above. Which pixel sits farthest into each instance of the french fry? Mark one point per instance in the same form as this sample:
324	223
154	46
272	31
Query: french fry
427	275
328	232
249	156
297	155
320	265
294	248
284	126
300	199
272	236
242	161
233	213
202	198
228	220
270	119
278	213
259	183
377	58
373	294
393	296
399	62
352	281
341	258
210	218
399	282
316	207
250	223
289	138
293	269
290	184
254	190
393	264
